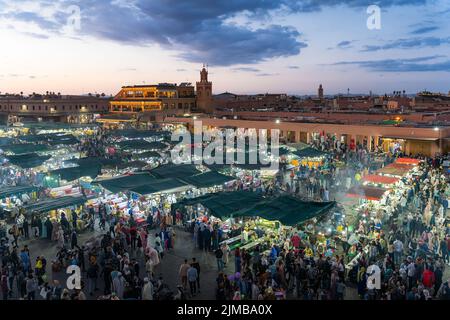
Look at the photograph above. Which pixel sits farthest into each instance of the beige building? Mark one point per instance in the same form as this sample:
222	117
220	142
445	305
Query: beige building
52	107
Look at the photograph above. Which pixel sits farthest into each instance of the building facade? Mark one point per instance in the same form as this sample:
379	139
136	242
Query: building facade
51	107
164	98
425	140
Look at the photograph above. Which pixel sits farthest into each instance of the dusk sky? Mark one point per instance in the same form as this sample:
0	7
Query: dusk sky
250	46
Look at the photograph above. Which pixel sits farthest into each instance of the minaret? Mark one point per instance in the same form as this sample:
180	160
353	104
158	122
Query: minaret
320	92
204	92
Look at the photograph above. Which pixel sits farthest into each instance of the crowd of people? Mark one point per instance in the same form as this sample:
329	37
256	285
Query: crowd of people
411	246
411	250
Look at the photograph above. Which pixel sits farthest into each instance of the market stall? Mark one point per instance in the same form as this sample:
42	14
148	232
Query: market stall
379	180
366	193
55	208
27	160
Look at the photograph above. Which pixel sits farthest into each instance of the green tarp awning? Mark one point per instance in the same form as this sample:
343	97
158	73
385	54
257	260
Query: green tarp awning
146	154
207	179
54	204
179	171
74	173
28	160
126	183
53	139
141	183
6	192
159	185
141	145
309	153
67	139
95	161
138	134
4	141
288	210
21	148
225	204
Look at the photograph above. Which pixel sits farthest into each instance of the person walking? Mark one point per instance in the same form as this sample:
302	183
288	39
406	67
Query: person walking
73	240
147	290
92	275
219	258
183	273
192	276
31	287
196	265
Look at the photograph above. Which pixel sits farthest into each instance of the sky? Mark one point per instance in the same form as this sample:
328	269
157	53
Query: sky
249	46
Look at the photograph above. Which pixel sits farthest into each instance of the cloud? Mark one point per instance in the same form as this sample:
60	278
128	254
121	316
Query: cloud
408	44
181	70
196	30
423	30
267	74
346	44
419	64
246	69
293	67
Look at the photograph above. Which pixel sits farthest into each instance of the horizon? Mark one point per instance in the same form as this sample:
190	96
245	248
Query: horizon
250	47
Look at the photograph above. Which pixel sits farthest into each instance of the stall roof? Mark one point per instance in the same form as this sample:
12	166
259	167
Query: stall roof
58	125
146	154
74	173
6	192
4	141
309	153
94	161
409	161
374	178
126	182
137	134
207	179
53	139
179	171
394	169
366	192
28	160
67	139
21	148
159	185
287	209
224	204
141	145
54	204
